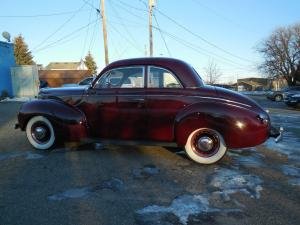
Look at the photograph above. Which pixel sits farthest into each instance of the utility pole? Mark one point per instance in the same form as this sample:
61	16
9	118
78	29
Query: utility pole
102	8
151	5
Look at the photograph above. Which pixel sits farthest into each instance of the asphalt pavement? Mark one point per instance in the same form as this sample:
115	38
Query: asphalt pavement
149	185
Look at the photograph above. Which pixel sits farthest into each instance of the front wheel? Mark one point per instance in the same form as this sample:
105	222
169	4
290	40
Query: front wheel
40	133
205	146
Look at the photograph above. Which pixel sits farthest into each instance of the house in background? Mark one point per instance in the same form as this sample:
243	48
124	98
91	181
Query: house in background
66	66
252	84
278	83
58	73
7	60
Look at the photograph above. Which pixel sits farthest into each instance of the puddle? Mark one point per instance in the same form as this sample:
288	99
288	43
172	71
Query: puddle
226	182
145	172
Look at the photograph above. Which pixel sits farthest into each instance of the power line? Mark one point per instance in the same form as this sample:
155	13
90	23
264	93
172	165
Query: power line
200	50
66	36
162	37
92	6
87	33
60	27
129	41
92	41
38	15
122	23
200	37
216	13
131	6
130	12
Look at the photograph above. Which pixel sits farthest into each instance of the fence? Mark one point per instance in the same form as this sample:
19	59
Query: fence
25	81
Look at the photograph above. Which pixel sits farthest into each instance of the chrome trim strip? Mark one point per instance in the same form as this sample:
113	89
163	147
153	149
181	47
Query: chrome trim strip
222	99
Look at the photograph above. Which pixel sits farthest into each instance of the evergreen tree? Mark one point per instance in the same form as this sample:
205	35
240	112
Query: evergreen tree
90	63
22	54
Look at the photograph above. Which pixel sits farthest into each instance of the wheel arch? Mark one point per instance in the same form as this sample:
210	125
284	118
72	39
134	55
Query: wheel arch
222	117
67	120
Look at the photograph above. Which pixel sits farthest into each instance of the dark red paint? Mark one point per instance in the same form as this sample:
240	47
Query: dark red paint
150	114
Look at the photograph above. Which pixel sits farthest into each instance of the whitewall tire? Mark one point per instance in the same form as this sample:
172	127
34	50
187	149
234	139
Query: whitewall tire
40	133
205	146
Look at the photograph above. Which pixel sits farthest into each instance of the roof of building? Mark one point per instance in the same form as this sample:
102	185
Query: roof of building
63	65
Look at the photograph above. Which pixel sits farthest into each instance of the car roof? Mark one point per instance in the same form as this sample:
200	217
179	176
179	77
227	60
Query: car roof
184	72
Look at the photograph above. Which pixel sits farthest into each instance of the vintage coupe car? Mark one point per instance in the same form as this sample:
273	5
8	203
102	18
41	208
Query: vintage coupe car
148	100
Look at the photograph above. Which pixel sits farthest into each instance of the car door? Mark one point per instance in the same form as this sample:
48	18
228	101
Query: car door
100	108
164	98
117	104
131	120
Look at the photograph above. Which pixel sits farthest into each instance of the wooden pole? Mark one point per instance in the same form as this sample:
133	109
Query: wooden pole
102	8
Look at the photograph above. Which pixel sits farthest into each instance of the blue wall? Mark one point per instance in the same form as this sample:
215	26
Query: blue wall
7	61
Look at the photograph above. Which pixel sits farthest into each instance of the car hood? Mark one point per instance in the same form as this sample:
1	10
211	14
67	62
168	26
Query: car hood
67	94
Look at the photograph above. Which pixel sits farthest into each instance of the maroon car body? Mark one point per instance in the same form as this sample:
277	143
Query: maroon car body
159	100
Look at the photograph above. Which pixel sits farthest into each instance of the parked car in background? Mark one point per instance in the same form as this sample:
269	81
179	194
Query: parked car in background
148	101
43	84
293	100
279	95
85	81
290	92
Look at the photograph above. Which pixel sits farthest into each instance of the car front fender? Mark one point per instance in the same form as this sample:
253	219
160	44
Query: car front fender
68	121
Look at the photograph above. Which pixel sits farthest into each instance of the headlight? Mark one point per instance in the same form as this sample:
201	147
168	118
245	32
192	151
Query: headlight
263	119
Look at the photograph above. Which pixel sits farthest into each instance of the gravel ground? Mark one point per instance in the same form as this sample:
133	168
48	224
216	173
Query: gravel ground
149	185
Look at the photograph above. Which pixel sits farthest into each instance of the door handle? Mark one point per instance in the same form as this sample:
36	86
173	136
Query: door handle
138	100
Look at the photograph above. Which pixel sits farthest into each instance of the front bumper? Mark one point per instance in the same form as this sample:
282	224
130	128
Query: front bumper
276	133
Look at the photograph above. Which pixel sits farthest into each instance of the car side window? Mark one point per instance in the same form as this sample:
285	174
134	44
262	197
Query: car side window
162	78
126	77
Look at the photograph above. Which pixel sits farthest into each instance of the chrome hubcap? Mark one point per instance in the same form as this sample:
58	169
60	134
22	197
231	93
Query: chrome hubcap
39	133
205	143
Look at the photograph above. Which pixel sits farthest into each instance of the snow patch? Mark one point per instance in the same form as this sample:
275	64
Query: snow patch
26	155
230	182
182	206
71	193
21	99
289	145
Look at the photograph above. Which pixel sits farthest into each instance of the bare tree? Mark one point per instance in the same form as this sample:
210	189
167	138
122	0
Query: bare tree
281	53
212	73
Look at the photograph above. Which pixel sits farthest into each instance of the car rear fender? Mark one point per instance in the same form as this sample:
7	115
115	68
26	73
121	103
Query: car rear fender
238	125
67	120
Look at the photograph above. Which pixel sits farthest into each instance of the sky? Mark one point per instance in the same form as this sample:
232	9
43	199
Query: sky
225	32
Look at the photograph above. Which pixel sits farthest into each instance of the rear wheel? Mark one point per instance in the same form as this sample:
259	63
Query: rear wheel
40	133
278	98
205	146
